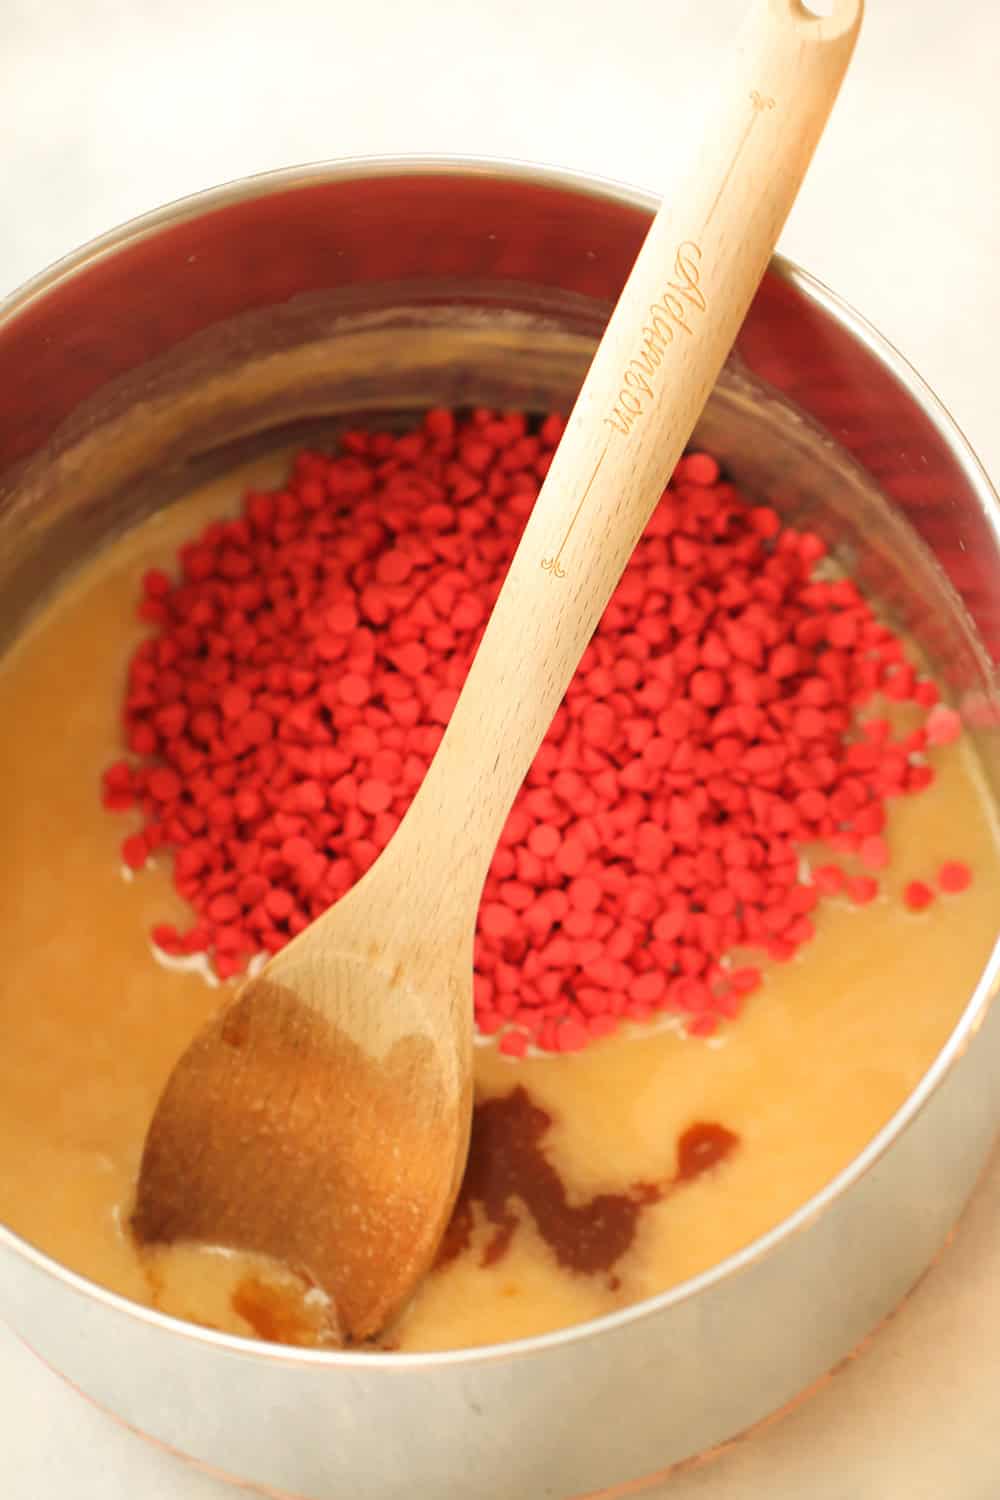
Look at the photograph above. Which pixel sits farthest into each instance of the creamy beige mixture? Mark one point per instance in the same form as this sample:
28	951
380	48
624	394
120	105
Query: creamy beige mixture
92	1024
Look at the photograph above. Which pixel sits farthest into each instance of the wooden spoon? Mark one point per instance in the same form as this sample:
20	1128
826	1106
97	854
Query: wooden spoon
323	1116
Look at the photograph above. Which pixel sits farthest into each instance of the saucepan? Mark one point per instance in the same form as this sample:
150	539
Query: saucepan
279	307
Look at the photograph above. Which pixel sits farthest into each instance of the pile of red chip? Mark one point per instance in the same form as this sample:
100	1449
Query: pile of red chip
301	669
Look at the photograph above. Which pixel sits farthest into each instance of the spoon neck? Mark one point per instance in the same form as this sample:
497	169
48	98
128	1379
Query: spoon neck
448	837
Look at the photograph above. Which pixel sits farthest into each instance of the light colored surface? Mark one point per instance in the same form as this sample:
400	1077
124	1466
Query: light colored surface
108	110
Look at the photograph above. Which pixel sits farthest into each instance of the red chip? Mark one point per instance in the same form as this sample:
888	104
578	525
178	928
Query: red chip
279	904
862	889
584	894
544	841
514	1043
698	468
135	851
235	701
374	796
393	567
497	920
829	879
256	727
943	726
874	852
954	876
164	784
572	1035
917	894
354	689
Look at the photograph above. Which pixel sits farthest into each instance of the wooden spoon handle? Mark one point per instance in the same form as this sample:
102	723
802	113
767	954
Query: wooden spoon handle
679	313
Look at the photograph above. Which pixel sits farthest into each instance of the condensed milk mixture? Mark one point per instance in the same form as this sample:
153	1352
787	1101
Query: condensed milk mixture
648	1148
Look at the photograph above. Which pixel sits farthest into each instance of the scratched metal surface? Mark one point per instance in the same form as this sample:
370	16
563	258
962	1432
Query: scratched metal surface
108	110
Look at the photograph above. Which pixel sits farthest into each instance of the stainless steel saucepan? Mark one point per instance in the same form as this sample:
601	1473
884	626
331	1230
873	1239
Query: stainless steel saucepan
230	322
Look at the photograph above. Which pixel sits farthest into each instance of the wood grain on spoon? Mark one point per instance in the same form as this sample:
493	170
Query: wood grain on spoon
323	1117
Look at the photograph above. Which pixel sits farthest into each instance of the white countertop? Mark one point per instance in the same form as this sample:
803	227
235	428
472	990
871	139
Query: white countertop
110	109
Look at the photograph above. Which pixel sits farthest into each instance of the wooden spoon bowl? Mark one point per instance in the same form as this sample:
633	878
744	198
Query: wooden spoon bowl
281	1123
